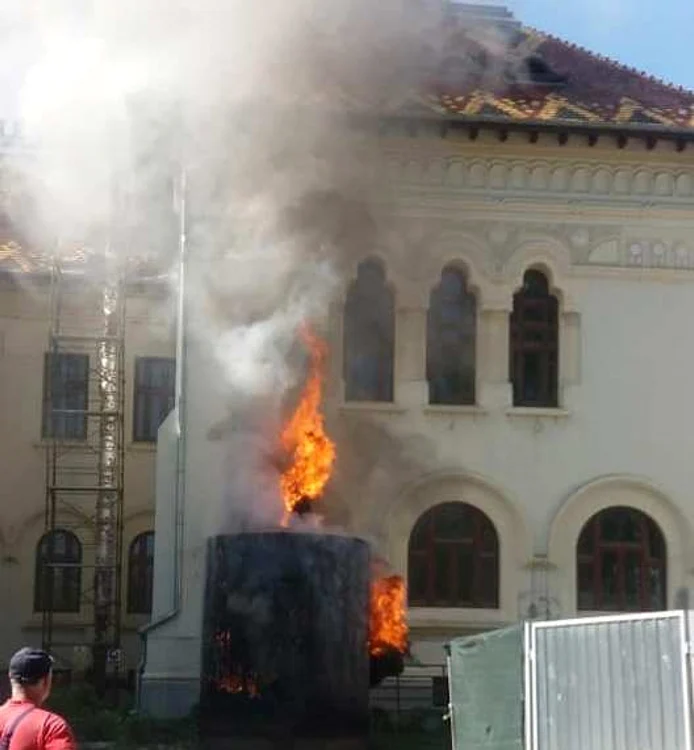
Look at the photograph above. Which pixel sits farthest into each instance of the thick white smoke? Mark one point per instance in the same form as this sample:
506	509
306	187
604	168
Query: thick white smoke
257	101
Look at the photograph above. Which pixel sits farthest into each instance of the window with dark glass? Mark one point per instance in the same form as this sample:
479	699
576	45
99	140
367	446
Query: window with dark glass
369	336
534	341
58	575
453	559
451	328
141	573
621	563
153	397
65	396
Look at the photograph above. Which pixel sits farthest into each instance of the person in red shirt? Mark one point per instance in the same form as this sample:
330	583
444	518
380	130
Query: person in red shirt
24	725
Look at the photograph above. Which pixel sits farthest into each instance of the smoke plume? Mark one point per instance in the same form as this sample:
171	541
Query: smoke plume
257	102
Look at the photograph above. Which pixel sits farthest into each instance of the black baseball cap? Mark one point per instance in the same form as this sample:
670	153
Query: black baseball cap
29	665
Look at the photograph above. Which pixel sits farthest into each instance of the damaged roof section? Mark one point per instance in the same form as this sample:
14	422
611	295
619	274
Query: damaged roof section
492	66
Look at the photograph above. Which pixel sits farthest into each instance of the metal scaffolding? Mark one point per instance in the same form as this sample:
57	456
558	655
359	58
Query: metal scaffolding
84	434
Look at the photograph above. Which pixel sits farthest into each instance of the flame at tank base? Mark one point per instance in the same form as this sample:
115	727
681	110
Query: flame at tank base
285	635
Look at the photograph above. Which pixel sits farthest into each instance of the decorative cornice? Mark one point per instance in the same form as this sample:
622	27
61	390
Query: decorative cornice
573	180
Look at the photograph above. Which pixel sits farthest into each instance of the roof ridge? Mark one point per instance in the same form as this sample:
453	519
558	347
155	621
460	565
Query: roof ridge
671	86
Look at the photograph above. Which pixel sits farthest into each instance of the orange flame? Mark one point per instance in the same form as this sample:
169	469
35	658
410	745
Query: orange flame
304	438
232	682
388	625
237	684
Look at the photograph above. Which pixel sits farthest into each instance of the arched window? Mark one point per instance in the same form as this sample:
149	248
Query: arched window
369	336
451	324
141	573
534	340
621	562
58	575
454	559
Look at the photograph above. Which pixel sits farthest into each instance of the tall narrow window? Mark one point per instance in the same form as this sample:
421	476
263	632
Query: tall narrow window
454	559
621	563
154	395
65	396
141	573
534	340
58	575
451	324
369	336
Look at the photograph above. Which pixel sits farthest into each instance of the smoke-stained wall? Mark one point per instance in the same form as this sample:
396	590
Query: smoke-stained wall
256	105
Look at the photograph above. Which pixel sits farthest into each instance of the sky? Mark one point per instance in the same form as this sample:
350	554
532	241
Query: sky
649	35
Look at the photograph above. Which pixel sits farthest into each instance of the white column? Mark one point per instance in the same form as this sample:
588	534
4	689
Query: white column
494	388
569	355
411	387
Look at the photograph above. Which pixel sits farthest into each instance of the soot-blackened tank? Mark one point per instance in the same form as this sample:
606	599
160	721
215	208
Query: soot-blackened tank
285	633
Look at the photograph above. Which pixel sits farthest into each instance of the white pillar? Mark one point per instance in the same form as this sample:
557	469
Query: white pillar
411	387
569	356
493	358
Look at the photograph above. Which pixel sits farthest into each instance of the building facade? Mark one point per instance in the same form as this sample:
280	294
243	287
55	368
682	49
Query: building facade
35	573
508	384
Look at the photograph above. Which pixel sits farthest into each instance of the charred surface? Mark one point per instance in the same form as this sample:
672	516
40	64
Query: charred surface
390	663
304	507
285	635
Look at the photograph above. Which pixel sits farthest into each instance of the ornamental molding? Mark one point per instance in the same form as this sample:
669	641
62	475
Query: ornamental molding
640	252
501	246
500	251
569	179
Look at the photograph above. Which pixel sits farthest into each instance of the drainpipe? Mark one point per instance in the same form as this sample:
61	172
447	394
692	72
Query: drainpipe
180	405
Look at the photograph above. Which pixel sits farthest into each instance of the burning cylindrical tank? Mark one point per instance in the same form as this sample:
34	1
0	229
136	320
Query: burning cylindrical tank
286	628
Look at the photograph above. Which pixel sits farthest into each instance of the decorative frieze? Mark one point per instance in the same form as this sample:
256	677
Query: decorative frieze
631	252
489	248
494	248
576	179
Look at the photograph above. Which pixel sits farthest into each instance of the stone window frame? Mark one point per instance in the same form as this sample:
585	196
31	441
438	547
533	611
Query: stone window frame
339	342
647	552
145	395
606	492
534	330
71	563
482	546
393	519
140	574
553	259
471	292
494	293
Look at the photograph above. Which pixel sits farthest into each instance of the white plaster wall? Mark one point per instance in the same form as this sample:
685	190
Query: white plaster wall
622	433
626	409
24	326
164	594
629	416
174	646
620	436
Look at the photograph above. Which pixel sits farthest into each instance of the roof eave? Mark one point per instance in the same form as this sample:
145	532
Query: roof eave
558	127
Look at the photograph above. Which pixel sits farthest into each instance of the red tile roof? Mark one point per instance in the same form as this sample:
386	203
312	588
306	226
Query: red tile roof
509	71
